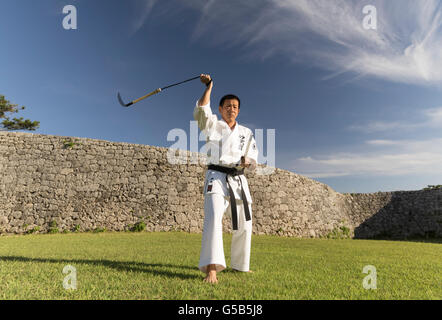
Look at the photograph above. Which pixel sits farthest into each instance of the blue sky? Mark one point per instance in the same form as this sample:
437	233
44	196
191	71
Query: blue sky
357	109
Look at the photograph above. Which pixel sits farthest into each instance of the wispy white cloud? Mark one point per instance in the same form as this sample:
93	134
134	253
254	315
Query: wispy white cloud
409	157
432	118
382	157
383	142
379	126
406	47
143	9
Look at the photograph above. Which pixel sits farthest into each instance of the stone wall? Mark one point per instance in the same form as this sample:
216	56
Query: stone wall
84	184
397	215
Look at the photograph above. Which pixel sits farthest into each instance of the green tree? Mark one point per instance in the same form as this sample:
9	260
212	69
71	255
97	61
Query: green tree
438	187
15	123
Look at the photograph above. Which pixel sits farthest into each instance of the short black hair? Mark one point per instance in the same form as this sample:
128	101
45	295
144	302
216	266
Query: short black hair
230	97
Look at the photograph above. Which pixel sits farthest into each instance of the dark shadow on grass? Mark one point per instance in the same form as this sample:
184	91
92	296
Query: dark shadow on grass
156	269
429	240
435	240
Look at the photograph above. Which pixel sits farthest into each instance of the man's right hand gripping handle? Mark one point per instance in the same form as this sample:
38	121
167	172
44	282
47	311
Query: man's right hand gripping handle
207	81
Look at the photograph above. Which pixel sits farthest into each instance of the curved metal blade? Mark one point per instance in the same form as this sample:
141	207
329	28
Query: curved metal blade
121	101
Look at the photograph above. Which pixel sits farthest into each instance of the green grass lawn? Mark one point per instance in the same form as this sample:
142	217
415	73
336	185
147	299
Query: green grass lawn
164	266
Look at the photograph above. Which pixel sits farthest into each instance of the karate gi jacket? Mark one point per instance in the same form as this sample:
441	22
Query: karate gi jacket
225	147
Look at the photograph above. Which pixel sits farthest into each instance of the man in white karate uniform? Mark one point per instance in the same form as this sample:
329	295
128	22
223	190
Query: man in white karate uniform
231	149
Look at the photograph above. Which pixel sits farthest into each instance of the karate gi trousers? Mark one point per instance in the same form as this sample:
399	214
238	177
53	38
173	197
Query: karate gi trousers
212	250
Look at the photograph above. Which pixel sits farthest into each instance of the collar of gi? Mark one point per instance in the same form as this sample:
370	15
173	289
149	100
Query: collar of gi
236	124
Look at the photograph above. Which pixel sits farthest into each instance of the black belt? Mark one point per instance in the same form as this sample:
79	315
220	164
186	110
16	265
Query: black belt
234	172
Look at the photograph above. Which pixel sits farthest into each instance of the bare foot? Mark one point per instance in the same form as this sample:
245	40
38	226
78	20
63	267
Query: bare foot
211	274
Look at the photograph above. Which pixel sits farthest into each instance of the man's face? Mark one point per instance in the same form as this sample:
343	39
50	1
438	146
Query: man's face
230	110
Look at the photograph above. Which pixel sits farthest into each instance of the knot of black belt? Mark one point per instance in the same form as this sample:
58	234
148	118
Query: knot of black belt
234	172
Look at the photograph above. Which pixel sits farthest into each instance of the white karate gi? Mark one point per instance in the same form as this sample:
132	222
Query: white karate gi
225	148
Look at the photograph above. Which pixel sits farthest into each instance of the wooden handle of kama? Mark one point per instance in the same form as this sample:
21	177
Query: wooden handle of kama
147	95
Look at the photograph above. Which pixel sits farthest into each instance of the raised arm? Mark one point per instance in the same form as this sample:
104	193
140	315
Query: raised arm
205	98
202	112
